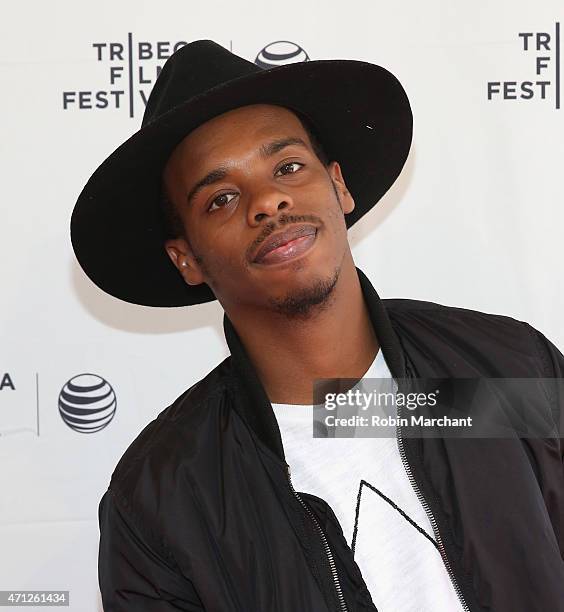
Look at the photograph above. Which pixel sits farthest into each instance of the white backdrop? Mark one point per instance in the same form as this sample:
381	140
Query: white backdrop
475	220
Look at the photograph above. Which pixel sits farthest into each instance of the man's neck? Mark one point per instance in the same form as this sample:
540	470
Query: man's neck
337	342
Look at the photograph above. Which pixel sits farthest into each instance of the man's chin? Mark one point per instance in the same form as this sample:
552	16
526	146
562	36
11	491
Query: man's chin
307	298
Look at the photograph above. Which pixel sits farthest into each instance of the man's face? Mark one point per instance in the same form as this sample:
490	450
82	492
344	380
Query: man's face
240	180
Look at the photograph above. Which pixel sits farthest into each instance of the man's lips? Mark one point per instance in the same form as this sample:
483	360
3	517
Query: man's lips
297	239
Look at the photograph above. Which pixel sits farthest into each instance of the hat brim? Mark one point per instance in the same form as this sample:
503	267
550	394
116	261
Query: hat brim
364	121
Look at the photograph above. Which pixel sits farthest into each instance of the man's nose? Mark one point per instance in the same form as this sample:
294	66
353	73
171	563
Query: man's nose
268	203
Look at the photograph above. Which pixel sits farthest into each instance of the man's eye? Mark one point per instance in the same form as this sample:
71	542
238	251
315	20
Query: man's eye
289	165
221	200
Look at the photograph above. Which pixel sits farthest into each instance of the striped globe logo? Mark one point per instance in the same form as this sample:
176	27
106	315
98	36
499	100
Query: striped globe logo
87	403
279	53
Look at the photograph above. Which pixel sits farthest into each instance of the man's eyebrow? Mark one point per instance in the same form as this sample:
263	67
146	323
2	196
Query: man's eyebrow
271	148
266	150
211	177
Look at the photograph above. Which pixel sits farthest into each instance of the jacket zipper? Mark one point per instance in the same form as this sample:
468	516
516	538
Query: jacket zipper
431	518
342	603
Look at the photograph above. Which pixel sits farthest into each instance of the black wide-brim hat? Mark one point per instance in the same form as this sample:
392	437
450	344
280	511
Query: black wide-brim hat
360	111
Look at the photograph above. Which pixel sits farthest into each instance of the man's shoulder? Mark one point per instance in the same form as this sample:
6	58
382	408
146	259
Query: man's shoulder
404	309
170	438
465	330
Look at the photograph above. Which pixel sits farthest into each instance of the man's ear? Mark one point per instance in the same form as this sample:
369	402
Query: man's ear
185	261
347	201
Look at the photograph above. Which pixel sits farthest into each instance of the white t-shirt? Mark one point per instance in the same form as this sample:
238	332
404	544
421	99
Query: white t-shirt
402	569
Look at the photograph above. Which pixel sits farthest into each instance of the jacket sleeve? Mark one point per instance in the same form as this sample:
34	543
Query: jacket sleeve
134	577
553	366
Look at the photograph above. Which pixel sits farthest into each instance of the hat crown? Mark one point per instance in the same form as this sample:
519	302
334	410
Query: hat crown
192	70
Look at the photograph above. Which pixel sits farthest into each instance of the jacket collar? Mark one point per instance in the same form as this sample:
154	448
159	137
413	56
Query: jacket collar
253	403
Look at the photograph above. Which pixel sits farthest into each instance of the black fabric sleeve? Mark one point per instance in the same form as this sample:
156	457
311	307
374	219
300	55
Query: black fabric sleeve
553	366
133	576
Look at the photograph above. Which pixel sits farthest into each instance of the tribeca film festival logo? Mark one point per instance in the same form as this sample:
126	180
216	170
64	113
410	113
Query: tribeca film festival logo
87	403
544	50
6	382
18	405
133	67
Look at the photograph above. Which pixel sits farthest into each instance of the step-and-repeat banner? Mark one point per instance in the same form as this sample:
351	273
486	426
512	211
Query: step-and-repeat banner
475	220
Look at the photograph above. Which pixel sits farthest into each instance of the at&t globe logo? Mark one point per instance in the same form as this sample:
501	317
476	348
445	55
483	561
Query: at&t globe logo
87	403
279	53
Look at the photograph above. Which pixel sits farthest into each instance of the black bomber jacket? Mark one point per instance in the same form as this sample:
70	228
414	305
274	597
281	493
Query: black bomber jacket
201	514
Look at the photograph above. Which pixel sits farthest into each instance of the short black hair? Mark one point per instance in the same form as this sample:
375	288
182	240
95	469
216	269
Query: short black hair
172	223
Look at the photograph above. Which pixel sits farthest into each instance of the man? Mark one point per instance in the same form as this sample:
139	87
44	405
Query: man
247	180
